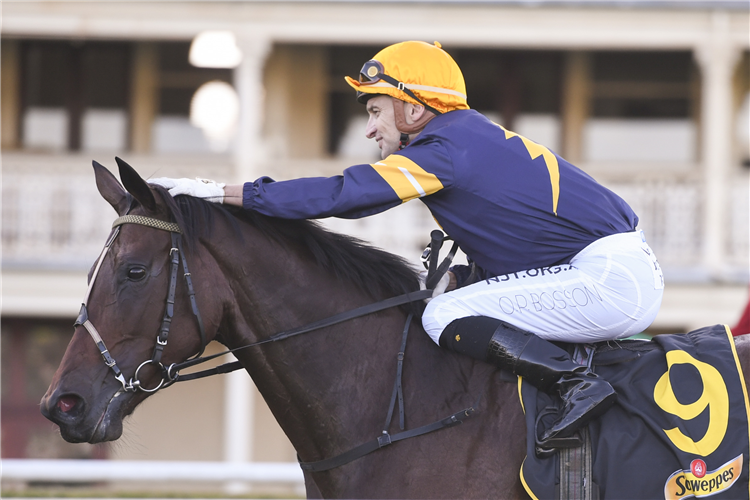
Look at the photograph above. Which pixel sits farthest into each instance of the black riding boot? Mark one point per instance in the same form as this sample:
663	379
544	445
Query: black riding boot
546	366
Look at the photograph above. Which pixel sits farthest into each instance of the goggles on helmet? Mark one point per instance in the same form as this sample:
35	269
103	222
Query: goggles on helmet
371	72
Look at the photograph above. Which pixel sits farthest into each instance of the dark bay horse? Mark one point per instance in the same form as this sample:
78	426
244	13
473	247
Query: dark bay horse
329	389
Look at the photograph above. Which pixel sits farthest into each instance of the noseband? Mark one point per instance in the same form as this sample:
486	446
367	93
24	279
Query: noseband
175	253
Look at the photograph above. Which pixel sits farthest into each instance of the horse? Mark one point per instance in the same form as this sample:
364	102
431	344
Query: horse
252	277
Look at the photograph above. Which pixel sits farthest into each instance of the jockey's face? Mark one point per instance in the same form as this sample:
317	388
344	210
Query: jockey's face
382	124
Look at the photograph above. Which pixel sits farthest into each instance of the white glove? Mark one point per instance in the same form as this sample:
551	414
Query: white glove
200	188
441	286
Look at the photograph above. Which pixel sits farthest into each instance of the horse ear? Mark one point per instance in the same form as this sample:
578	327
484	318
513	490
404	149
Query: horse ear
136	185
110	189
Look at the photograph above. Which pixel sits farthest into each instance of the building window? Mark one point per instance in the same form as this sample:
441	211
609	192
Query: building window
172	131
80	96
519	90
641	101
75	95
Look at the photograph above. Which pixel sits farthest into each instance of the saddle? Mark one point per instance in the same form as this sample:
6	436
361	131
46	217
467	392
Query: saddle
679	428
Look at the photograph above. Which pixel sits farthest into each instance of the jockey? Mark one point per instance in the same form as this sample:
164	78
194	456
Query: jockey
554	256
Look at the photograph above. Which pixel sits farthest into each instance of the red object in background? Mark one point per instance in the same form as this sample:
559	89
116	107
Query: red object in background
31	351
743	325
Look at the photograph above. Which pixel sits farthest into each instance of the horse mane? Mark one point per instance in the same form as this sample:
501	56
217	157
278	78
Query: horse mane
377	273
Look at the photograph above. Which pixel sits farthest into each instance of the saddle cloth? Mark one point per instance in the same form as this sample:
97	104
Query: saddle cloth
679	428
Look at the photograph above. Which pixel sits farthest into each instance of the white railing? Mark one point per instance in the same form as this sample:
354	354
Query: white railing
77	471
53	220
52	214
58	220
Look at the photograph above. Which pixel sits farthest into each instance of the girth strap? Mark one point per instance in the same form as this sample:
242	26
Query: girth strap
398	392
385	440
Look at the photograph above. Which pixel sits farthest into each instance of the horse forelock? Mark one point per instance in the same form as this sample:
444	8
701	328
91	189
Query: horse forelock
372	270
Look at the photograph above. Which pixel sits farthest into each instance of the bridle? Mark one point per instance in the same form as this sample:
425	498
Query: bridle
175	253
170	375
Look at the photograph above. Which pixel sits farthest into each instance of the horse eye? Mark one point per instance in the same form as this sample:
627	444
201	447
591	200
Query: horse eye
136	273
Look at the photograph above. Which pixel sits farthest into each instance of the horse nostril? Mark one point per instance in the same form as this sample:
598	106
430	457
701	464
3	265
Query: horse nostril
67	403
68	407
63	410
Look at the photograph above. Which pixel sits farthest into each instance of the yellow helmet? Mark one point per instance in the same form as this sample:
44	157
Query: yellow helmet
415	72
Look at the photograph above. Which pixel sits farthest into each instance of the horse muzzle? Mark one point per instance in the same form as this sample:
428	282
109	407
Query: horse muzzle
82	421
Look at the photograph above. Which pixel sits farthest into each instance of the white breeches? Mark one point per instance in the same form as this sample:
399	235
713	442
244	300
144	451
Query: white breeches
611	289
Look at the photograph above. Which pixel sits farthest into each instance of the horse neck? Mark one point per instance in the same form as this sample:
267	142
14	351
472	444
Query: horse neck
314	383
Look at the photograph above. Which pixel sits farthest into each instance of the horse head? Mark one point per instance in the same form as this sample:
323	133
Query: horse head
130	286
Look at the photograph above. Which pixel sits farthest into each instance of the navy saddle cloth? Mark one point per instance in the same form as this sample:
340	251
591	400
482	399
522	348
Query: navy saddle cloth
679	428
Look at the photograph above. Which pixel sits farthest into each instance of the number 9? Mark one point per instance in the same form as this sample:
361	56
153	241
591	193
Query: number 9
714	396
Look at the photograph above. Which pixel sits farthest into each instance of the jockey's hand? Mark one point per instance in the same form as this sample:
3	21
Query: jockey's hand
200	188
441	286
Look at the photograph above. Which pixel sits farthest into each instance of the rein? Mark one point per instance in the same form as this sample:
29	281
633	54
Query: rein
434	273
174	368
171	374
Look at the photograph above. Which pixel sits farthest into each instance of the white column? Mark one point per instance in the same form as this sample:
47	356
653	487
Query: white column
248	81
717	58
239	404
239	420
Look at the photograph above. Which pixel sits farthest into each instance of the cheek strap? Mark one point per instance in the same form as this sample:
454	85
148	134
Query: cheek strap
405	128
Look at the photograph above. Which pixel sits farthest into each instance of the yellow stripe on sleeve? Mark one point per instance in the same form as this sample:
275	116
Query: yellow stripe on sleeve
407	179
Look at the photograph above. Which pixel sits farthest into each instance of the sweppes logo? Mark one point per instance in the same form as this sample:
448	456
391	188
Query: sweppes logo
698	481
698	468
